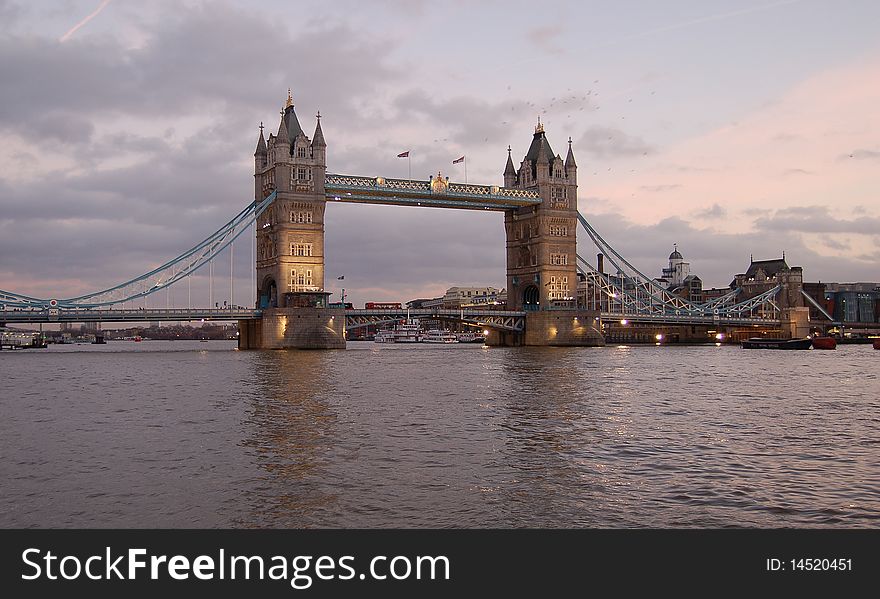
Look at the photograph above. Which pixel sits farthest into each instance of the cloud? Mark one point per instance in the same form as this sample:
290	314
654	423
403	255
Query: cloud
836	244
459	120
609	143
787	137
715	256
185	69
815	219
737	166
660	188
713	211
698	21
61	126
545	36
9	12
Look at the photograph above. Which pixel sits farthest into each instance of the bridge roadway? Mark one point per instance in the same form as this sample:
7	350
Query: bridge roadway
136	315
507	320
496	319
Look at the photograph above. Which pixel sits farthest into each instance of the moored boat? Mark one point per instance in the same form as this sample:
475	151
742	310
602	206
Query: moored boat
470	337
384	336
438	336
765	343
408	332
824	343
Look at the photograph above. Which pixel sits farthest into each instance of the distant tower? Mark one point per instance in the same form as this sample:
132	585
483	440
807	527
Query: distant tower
541	240
678	269
290	233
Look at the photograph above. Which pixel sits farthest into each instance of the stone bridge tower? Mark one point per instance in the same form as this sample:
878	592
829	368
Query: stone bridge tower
290	233
290	243
542	248
541	240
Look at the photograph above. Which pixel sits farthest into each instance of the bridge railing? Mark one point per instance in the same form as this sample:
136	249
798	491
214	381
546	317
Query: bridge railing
509	320
32	315
380	190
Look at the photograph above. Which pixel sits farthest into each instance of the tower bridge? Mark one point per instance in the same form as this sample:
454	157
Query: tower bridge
554	296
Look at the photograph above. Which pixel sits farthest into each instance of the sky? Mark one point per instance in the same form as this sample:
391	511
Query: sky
733	129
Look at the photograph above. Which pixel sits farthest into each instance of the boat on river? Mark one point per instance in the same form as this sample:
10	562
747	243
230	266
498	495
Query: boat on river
405	332
471	337
824	343
384	336
765	343
438	336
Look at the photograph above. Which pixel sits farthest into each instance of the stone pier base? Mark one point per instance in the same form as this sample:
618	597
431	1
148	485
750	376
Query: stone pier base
294	328
796	322
554	327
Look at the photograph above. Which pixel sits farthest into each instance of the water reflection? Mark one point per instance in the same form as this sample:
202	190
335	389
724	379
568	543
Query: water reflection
548	431
291	427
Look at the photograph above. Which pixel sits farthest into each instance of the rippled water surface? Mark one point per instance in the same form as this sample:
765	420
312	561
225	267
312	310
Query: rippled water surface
189	434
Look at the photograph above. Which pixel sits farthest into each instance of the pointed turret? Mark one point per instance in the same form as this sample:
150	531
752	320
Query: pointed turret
293	128
282	137
539	140
319	156
261	144
318	137
569	160
509	171
543	157
542	161
261	157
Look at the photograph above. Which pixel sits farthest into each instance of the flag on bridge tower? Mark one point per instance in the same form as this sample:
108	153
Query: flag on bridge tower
456	161
409	163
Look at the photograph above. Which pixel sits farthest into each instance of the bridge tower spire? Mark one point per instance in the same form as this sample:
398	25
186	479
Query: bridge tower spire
509	171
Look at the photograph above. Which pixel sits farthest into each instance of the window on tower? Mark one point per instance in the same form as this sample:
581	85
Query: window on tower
559	197
301	217
559	288
300	249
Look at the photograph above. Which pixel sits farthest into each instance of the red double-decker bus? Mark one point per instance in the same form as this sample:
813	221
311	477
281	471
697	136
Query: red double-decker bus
382	306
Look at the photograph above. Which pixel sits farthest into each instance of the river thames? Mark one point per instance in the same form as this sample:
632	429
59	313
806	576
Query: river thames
189	434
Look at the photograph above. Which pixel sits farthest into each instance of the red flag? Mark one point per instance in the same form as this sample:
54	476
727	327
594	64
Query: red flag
403	154
458	160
